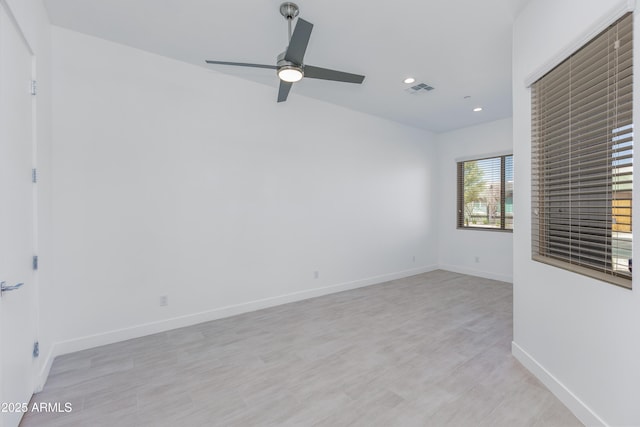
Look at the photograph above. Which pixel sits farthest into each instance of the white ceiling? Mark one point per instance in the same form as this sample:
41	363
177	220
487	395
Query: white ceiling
461	48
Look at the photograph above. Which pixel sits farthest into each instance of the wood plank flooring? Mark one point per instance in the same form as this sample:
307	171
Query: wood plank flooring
428	350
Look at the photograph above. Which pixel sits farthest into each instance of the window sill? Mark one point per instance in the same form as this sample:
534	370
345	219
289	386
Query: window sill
498	230
594	274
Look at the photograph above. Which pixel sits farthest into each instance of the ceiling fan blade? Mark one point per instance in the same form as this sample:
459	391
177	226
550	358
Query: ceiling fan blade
283	92
299	41
327	74
242	64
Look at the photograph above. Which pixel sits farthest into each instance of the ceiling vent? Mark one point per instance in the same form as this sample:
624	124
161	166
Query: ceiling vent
419	89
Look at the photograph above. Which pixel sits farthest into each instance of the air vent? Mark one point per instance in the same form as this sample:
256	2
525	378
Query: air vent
419	89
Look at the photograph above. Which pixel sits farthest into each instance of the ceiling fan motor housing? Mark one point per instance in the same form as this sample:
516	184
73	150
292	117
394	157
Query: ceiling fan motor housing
281	62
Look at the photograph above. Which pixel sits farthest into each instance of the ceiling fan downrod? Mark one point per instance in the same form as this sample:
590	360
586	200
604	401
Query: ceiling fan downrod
289	11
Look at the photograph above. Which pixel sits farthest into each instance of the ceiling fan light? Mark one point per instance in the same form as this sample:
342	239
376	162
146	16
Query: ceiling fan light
290	74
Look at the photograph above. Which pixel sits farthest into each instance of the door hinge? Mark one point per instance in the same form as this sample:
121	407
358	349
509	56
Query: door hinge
34	87
36	349
35	262
34	175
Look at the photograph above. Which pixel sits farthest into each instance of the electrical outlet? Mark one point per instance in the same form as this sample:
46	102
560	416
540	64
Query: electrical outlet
414	258
316	274
477	259
164	300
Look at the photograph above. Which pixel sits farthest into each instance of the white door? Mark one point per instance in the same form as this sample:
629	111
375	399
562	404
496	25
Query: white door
17	307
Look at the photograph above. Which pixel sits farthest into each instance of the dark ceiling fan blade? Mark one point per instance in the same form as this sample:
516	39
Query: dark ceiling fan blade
283	92
242	64
299	41
327	74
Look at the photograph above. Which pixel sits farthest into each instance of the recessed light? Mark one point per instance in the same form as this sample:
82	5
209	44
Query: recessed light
409	80
477	109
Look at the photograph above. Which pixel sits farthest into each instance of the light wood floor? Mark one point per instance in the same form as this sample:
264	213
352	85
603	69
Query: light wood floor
428	350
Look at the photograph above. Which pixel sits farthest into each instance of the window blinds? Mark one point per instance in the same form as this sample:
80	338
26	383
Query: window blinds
582	146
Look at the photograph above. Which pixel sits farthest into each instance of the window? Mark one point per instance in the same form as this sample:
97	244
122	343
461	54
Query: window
582	167
485	193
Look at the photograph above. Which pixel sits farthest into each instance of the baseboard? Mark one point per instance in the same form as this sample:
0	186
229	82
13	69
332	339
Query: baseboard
41	377
571	401
477	273
138	331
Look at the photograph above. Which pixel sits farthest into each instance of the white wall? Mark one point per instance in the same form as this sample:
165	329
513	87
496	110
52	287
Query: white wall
33	20
579	335
175	180
458	249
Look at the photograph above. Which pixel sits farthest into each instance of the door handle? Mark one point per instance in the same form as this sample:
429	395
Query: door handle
6	288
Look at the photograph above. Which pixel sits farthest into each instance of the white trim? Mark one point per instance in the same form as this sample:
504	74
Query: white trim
484	156
41	377
607	19
478	273
110	337
585	414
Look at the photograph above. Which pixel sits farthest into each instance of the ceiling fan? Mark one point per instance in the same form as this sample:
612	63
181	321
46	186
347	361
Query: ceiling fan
289	64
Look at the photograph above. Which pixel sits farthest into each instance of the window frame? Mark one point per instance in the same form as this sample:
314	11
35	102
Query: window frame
460	215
